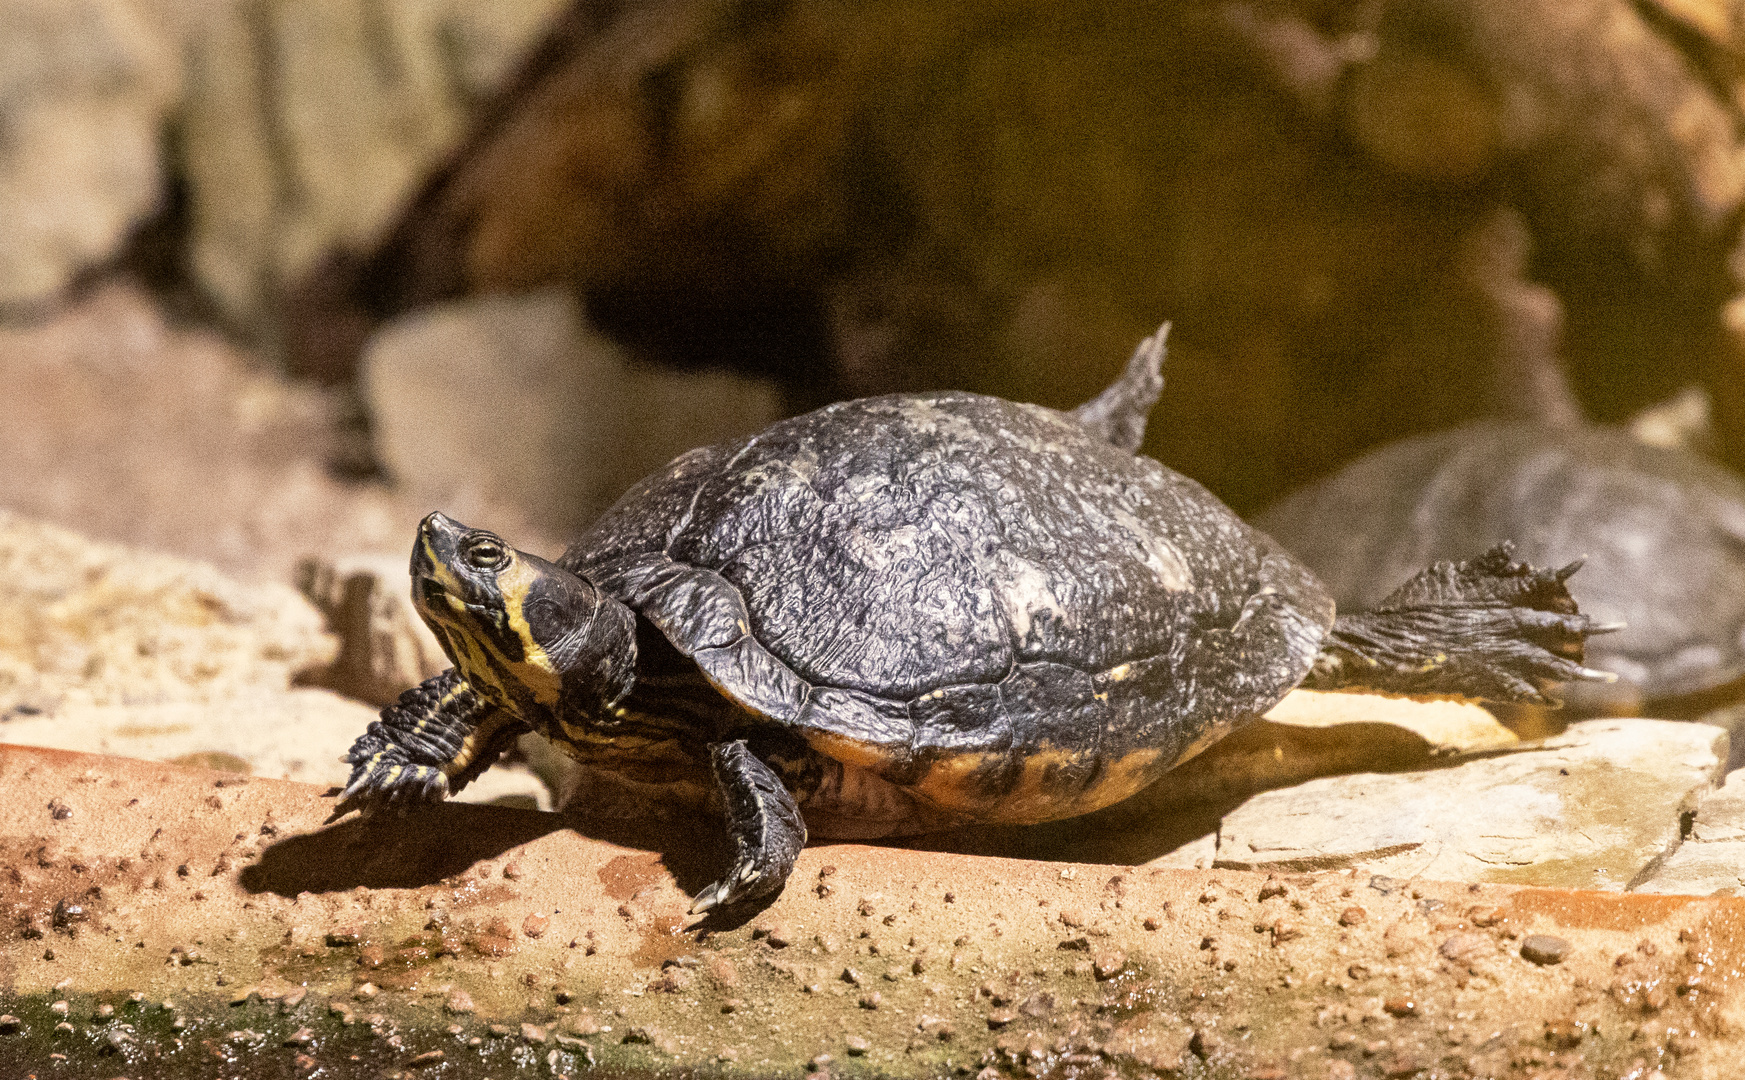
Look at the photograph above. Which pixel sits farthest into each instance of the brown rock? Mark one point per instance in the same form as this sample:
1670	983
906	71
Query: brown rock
1109	963
1544	949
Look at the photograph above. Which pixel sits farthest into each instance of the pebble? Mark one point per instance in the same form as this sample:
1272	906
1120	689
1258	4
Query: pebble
1109	964
872	1000
59	1008
459	1002
9	1024
532	1033
857	1044
1400	1007
1544	949
1352	916
303	1036
429	1057
534	925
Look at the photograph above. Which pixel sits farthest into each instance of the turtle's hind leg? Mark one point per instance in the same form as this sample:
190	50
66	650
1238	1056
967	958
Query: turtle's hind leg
763	820
1489	628
428	745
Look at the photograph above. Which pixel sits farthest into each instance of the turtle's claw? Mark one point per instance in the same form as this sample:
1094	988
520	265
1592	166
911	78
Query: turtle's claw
384	778
741	883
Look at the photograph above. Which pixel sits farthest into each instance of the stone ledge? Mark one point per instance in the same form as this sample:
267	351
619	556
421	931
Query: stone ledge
143	895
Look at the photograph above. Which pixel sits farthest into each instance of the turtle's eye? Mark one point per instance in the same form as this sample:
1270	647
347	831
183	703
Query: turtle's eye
486	553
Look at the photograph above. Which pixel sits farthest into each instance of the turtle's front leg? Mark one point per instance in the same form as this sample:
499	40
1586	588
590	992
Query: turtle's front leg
428	745
764	822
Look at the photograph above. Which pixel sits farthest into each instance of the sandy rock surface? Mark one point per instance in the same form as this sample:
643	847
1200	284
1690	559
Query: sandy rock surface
1711	861
1597	807
158	915
112	649
87	623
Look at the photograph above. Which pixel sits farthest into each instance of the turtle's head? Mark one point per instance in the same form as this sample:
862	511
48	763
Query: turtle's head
525	633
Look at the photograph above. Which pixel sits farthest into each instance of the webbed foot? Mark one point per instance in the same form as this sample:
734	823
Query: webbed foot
427	746
384	776
764	822
1489	628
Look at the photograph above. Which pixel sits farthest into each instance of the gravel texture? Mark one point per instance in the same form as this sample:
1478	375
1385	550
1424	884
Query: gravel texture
159	918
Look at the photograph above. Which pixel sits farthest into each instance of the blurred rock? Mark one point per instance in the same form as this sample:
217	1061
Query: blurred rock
384	647
1711	861
1372	213
515	395
309	122
129	430
1595	808
85	88
287	735
110	650
87	624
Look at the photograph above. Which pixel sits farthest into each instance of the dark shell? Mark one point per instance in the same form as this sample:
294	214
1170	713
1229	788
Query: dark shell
1662	532
940	574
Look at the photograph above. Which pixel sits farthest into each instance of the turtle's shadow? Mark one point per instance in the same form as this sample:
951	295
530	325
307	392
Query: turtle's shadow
438	842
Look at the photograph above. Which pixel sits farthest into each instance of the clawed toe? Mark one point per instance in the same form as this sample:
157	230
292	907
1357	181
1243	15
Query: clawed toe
386	781
744	882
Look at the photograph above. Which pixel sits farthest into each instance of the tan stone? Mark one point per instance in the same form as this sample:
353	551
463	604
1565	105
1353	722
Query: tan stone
289	735
384	646
85	86
309	122
1711	861
1597	807
88	623
1219	963
1446	726
517	396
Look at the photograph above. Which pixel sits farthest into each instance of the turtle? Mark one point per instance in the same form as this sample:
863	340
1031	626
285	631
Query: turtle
1662	530
909	612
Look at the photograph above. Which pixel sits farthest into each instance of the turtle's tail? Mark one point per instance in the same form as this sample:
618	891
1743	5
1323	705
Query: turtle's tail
1118	414
1490	628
